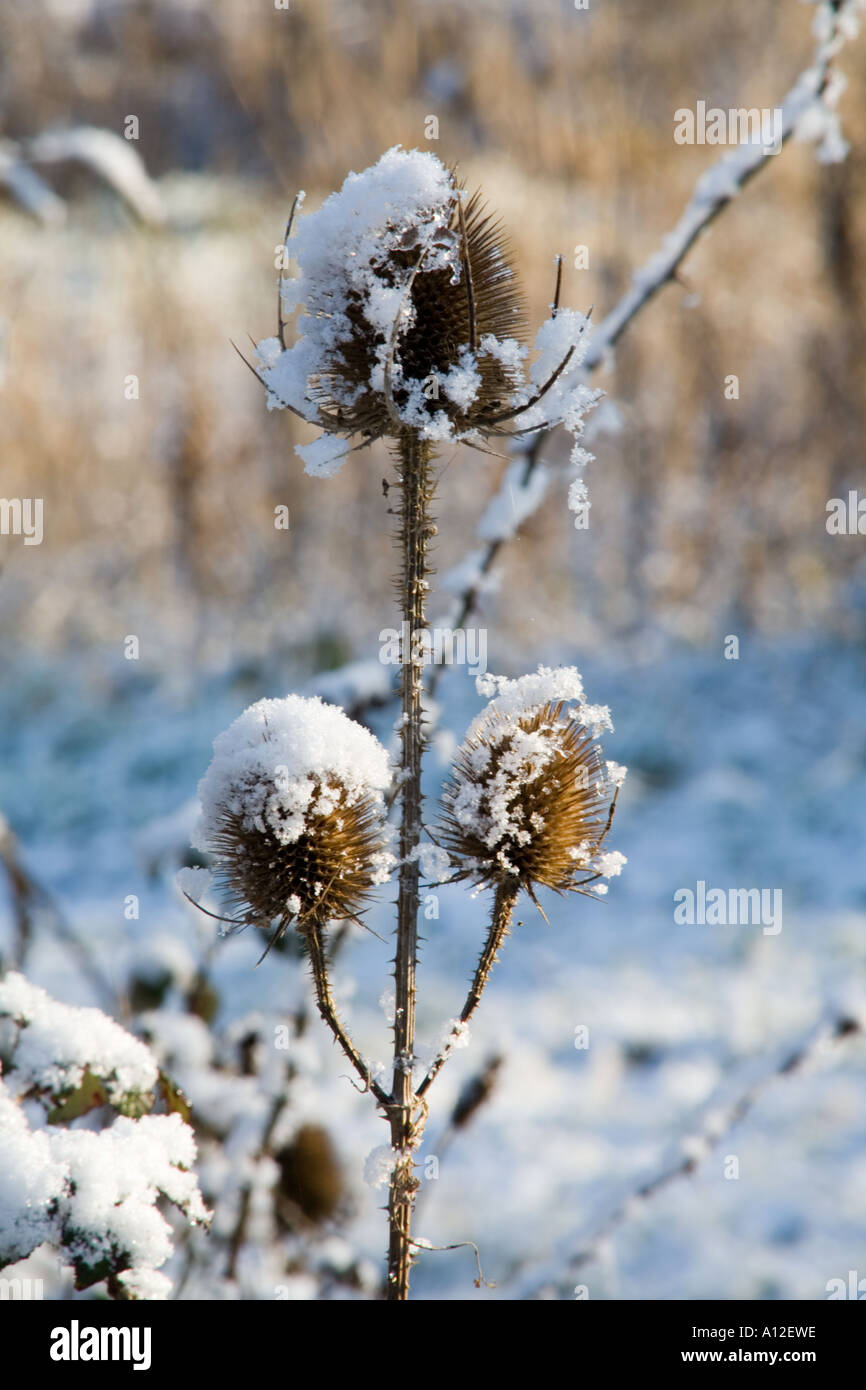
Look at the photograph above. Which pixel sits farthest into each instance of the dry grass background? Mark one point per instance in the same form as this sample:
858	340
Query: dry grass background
708	515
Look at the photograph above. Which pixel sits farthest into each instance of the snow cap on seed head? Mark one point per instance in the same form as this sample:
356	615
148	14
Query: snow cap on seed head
410	317
292	811
530	799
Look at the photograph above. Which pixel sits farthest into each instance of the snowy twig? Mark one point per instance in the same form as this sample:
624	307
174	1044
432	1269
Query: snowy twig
238	1235
30	897
715	189
110	157
713	1127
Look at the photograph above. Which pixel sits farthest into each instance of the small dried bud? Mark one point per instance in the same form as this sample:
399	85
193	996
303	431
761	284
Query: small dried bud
311	1181
531	800
293	813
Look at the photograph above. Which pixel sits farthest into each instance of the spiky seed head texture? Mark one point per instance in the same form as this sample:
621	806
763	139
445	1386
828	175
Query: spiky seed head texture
409	318
293	813
528	801
326	874
431	352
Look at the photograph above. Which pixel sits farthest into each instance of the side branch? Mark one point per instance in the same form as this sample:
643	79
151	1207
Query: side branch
313	936
500	922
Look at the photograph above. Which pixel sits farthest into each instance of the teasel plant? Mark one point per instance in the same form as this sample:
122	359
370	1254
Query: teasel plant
411	328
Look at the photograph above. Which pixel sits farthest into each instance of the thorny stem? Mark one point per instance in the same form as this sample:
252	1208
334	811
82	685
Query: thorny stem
500	922
416	489
313	935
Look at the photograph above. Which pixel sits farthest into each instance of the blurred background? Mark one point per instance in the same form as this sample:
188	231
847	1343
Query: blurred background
708	519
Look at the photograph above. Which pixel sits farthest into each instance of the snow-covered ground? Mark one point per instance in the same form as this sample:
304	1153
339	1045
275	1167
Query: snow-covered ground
747	773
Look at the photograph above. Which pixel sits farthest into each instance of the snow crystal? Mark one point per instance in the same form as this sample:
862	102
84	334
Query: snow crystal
527	693
455	1034
435	862
91	1193
610	863
379	1165
146	1284
324	457
282	761
58	1043
508	351
194	883
462	383
554	340
578	495
30	1178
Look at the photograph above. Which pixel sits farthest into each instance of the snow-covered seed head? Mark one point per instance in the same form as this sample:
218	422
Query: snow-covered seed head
403	279
293	813
530	800
410	318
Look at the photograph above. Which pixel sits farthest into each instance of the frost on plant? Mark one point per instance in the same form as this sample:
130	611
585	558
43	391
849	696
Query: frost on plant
410	317
531	799
411	326
57	1046
92	1194
292	811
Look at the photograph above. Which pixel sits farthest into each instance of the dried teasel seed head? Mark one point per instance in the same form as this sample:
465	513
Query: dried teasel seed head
530	799
293	814
413	319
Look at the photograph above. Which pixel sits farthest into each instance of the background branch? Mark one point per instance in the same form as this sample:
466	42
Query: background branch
711	1129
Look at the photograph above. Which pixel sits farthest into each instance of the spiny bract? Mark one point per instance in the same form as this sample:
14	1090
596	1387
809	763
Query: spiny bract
529	802
413	320
293	813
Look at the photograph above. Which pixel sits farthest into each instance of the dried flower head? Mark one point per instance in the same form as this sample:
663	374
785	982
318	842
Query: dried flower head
531	800
293	813
413	320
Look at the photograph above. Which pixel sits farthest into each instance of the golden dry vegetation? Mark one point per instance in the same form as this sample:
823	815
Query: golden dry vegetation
708	515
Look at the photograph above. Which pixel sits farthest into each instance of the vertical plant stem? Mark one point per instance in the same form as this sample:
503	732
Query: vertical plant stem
415	479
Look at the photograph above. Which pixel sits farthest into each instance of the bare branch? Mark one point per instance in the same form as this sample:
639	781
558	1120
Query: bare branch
713	1126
